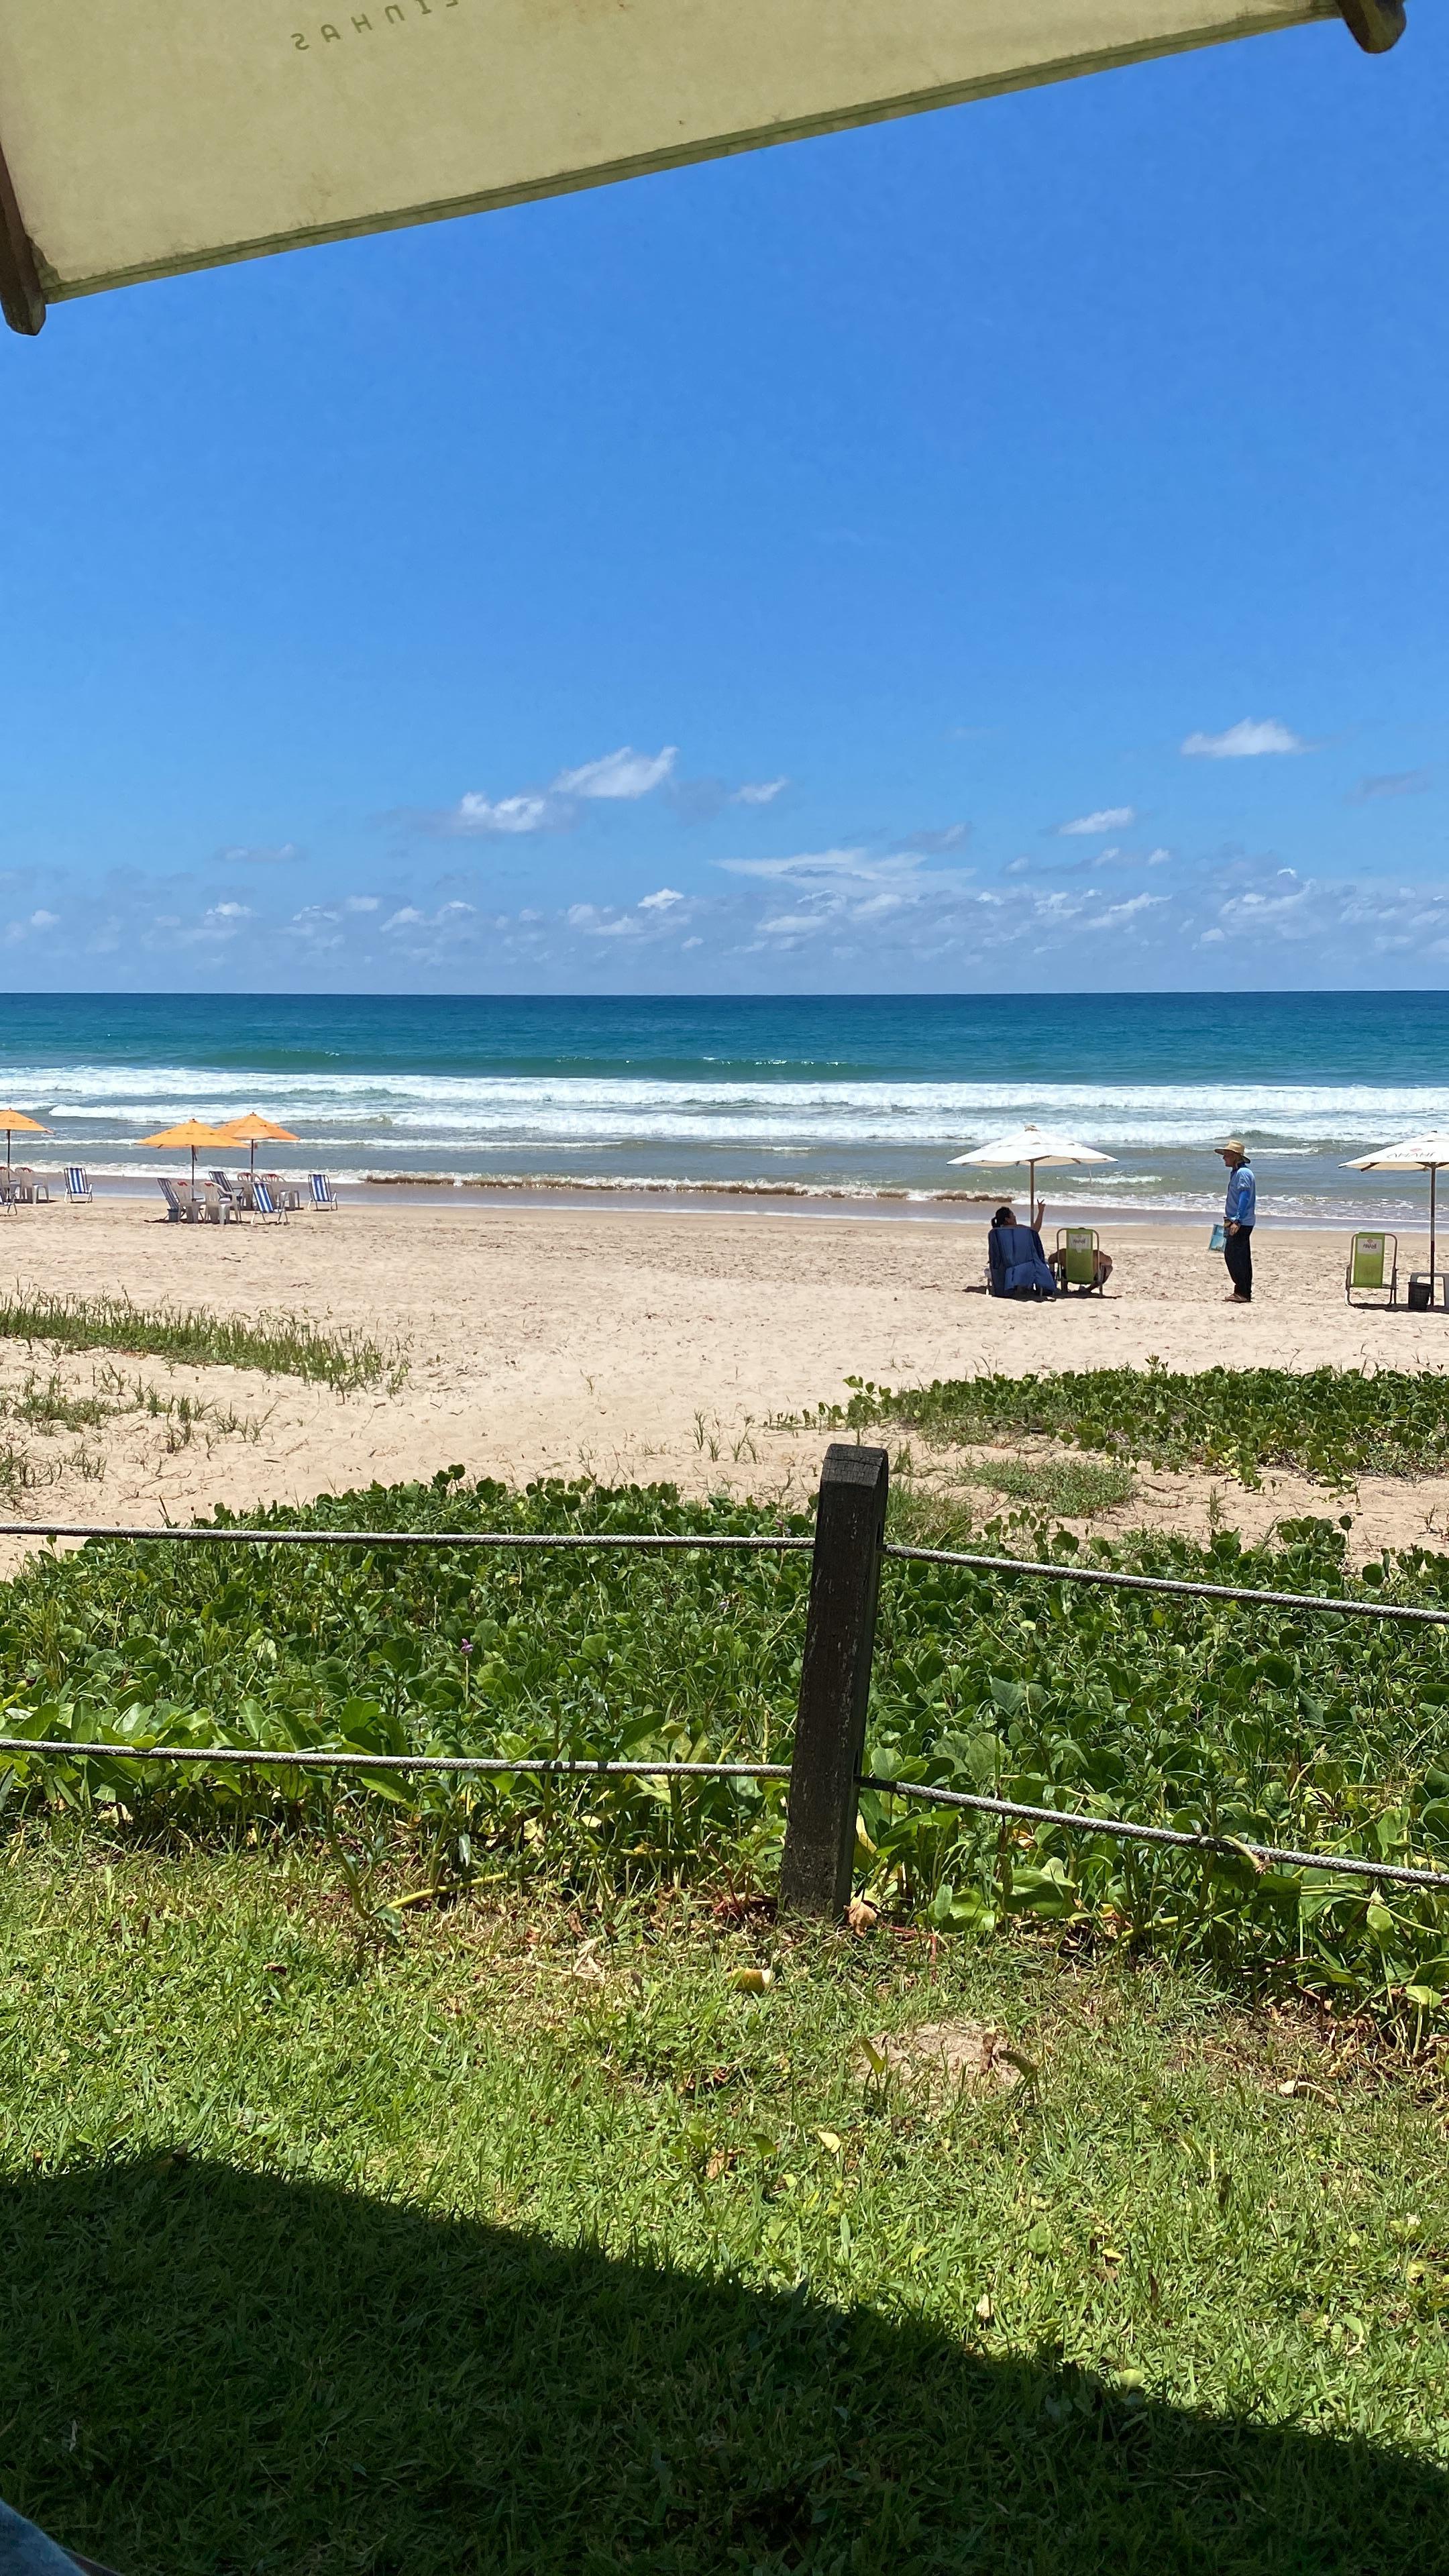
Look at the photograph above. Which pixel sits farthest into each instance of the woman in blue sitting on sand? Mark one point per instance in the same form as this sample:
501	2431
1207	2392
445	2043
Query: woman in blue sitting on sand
1018	1265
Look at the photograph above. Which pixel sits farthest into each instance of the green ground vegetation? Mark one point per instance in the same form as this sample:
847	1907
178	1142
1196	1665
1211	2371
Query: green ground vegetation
1329	1423
1269	1726
1057	1488
42	1409
551	2248
277	1345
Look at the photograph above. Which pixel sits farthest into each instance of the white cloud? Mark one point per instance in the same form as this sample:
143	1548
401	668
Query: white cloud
1158	858
793	925
477	814
1117	915
361	903
759	791
1112	818
825	868
34	925
936	844
408	918
219	923
660	902
626	773
1249	740
239	856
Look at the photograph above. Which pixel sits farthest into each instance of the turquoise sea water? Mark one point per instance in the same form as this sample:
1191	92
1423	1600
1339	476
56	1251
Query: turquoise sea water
850	1095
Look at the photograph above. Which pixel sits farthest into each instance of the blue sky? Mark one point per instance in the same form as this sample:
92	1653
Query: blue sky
1004	549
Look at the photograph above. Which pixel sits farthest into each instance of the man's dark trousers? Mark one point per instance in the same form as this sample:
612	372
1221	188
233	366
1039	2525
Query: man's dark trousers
1238	1254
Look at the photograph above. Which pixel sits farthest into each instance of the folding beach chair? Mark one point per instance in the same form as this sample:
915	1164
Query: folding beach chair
231	1204
77	1185
322	1192
1373	1267
264	1203
1078	1262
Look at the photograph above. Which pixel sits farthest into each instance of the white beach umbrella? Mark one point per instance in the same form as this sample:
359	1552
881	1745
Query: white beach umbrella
1417	1154
1031	1145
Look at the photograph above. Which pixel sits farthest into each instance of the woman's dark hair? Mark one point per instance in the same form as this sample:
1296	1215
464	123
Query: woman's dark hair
1003	1216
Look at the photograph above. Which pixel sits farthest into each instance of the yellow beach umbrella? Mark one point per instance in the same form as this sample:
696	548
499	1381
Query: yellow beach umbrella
254	1129
191	1132
15	1123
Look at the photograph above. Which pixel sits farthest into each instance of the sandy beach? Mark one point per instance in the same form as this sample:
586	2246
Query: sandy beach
638	1346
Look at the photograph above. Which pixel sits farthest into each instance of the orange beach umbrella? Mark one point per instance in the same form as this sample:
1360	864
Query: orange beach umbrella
15	1123
191	1132
254	1129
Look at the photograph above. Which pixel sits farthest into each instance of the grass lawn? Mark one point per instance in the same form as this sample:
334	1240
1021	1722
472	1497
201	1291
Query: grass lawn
483	2181
522	2244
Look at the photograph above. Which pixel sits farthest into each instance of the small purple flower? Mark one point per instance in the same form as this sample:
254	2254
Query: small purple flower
466	1646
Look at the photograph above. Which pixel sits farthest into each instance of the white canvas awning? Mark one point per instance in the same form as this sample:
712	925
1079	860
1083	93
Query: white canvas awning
143	137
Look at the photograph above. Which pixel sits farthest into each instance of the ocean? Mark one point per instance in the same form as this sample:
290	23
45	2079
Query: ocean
843	1098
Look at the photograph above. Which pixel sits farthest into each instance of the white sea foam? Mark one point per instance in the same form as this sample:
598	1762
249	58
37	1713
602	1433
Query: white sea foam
377	1111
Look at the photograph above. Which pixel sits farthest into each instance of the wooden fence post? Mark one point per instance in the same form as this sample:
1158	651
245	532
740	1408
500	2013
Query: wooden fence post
819	1855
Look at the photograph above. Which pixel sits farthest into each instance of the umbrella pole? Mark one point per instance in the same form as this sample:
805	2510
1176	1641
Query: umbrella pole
1433	1188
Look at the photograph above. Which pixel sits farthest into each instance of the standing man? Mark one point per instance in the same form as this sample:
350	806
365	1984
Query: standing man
1239	1215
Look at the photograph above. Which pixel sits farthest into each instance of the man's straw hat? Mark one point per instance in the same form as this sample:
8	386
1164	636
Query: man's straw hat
1232	1145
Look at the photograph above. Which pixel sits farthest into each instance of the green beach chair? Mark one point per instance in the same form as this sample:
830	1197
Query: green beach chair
1077	1264
1373	1268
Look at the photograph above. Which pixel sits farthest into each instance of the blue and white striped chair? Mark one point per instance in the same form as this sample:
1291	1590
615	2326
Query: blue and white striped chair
263	1201
323	1195
77	1185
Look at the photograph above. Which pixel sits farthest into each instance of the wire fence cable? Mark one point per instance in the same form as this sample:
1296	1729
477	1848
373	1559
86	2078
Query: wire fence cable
254	1757
1108	1576
643	1539
683	1541
467	1765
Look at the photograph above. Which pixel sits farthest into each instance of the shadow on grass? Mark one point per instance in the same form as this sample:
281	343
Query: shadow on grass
204	2370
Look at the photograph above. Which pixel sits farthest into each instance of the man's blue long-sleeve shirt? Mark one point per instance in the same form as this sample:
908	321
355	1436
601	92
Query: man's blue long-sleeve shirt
1242	1200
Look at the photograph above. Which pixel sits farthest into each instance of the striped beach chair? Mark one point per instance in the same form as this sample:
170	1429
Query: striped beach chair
323	1195
77	1185
264	1203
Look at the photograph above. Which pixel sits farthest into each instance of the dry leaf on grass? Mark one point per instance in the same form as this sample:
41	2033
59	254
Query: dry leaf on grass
944	2057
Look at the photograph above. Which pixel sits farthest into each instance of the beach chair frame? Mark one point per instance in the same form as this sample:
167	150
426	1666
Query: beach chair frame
182	1208
323	1194
78	1191
1078	1253
264	1204
1372	1269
